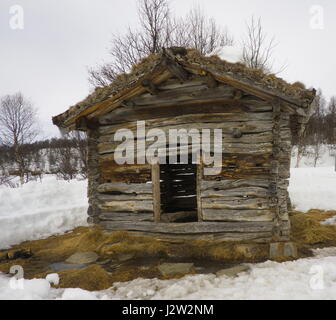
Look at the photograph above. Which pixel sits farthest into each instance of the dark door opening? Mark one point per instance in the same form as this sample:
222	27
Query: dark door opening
178	192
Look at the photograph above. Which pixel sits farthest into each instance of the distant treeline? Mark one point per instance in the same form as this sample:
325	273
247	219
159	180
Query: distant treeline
65	157
320	129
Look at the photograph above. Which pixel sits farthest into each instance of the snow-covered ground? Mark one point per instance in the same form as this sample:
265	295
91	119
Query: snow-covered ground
38	210
313	188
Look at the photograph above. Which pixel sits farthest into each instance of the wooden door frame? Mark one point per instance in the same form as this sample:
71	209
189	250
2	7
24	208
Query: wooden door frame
155	170
199	175
156	191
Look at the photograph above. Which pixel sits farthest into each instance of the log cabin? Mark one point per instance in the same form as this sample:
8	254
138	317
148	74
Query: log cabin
178	88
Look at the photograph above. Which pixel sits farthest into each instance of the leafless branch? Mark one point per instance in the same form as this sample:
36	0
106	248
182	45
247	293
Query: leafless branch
18	126
258	48
158	28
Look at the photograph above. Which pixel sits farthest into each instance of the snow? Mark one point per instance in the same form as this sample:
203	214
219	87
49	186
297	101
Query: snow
231	54
53	278
38	210
313	188
270	280
325	159
310	278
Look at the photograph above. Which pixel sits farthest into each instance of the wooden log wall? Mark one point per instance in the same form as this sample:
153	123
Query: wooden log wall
93	176
243	202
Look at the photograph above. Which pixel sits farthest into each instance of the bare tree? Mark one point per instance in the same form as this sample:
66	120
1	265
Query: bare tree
316	134
70	159
18	126
80	144
66	163
202	33
311	140
330	122
5	178
258	48
127	49
158	28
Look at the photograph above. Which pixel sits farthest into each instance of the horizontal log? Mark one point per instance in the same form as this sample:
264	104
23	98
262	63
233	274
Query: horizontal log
238	148
107	144
241	204
124	197
226	108
171	84
222	173
198	121
126	216
191	227
236	192
112	172
185	94
236	215
229	112
194	91
232	184
187	138
257	237
127	206
119	187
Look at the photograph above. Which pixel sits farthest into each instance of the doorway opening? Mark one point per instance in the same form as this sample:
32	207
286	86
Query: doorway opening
178	194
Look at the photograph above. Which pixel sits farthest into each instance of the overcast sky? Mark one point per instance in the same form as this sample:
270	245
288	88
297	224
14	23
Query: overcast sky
47	61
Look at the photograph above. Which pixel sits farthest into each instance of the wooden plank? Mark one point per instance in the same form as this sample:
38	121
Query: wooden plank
236	215
111	172
127	205
197	121
187	96
234	174
232	184
238	148
123	197
107	141
190	227
239	204
158	75
199	174
250	192
125	216
156	191
119	187
257	237
152	112
229	111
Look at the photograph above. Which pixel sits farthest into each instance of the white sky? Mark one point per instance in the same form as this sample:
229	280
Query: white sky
48	59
